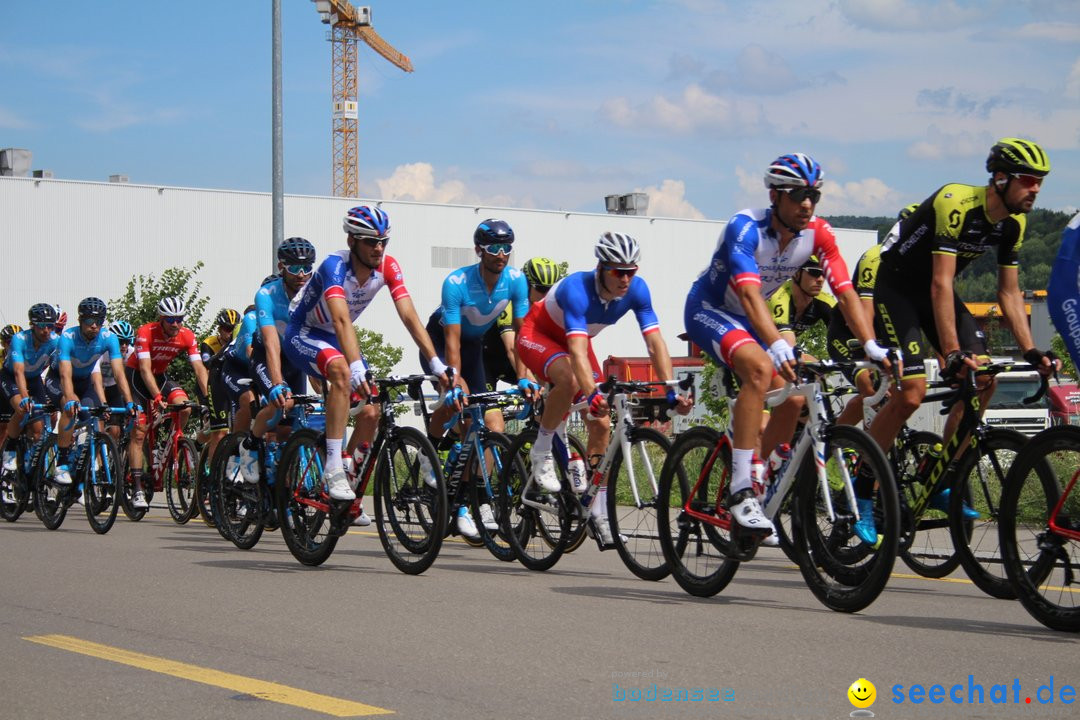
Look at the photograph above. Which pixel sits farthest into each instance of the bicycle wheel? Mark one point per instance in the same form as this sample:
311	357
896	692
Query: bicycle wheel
631	503
99	477
526	511
50	499
577	529
926	545
202	487
1042	564
238	504
409	513
179	481
485	491
303	505
689	519
126	498
980	476
844	573
14	495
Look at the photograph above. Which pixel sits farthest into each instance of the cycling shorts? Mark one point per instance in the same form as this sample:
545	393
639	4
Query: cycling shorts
717	331
472	356
537	350
171	391
83	388
9	389
260	373
311	349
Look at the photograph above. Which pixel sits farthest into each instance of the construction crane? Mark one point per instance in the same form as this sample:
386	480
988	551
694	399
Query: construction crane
349	25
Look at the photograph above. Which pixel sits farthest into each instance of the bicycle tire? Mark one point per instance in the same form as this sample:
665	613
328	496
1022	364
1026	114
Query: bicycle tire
305	527
842	572
50	499
926	545
100	480
494	540
179	481
535	550
202	487
133	513
697	553
977	541
238	504
577	528
633	523
409	513
1039	562
14	483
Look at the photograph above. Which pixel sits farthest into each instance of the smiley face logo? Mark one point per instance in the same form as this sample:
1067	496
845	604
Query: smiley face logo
862	693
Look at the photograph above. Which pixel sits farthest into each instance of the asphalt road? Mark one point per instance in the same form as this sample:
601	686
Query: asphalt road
159	621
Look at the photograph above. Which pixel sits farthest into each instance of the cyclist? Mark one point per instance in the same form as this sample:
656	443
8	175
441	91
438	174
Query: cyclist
8	332
914	292
20	378
555	343
801	302
274	376
472	299
157	344
499	354
726	314
103	373
69	385
320	338
61	319
1063	290
236	368
217	399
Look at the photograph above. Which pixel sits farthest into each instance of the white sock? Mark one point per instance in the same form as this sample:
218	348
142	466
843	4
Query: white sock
598	508
333	455
543	440
740	469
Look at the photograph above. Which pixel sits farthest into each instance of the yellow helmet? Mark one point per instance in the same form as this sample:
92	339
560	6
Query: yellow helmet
542	272
1015	155
229	317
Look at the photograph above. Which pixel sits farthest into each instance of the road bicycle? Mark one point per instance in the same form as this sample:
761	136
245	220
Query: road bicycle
410	505
540	525
17	486
170	459
704	545
1039	527
94	470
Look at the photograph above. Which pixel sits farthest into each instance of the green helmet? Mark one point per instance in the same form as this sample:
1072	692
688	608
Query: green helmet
542	272
1014	155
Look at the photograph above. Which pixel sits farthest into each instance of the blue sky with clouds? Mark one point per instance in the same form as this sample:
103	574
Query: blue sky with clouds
554	104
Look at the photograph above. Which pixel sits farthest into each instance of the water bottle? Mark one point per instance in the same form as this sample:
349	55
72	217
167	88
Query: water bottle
579	479
757	477
451	458
778	460
927	462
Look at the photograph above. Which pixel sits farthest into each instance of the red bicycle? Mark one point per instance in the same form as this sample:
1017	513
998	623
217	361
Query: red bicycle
170	463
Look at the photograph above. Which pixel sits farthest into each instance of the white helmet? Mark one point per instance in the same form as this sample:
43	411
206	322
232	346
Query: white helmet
618	249
171	307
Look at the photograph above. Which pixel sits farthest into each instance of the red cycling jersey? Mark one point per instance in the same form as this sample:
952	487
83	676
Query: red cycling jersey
151	342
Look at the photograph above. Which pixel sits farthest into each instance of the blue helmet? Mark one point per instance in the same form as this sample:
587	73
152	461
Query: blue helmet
794	170
366	222
493	231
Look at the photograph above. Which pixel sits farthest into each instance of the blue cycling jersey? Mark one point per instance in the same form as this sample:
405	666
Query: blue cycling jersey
83	354
34	359
1063	290
238	348
272	306
467	302
574	307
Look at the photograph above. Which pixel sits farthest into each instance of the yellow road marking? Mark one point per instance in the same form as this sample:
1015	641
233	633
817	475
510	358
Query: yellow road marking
261	689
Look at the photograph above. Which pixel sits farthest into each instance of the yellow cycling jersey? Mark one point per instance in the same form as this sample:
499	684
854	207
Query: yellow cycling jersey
952	221
782	307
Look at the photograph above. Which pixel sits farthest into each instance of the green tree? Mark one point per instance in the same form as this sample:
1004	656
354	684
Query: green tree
1057	344
381	357
138	305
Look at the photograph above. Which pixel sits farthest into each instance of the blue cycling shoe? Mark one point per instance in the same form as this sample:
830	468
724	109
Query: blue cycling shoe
940	502
864	526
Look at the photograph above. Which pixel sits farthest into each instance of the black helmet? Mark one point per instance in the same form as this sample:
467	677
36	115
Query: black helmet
228	316
296	251
9	331
93	307
1016	155
493	231
269	279
43	313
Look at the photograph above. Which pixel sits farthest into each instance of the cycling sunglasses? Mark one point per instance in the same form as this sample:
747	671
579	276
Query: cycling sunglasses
172	319
41	325
92	320
498	248
375	241
814	272
620	272
798	194
1027	181
302	269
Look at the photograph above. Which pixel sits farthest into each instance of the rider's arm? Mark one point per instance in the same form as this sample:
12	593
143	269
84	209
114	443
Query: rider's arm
121	378
854	312
757	312
942	299
272	345
343	328
98	383
19	370
1011	301
201	376
67	387
659	355
578	346
406	311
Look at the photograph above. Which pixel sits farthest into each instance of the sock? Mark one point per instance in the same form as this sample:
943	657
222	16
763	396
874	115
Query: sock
333	455
543	440
740	469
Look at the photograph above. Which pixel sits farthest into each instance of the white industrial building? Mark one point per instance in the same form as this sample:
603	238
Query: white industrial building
65	240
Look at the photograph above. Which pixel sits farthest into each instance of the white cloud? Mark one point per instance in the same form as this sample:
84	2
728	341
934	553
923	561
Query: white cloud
1072	82
1053	31
669	200
12	121
860	197
938	144
694	111
416	181
909	15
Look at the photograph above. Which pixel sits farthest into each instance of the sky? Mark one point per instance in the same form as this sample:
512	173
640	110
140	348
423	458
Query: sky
554	105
